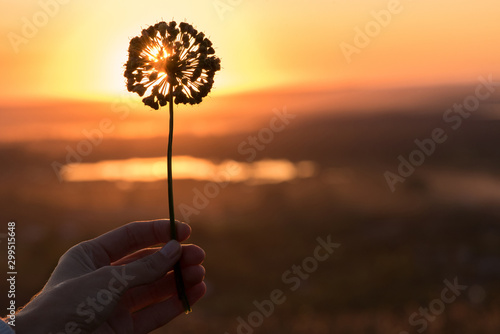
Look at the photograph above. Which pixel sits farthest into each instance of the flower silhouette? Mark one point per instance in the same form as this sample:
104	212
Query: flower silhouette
169	62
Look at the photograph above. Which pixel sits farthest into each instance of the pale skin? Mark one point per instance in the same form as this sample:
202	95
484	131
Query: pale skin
116	283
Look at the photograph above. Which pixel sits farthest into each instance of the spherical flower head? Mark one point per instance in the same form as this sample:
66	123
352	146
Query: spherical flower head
169	61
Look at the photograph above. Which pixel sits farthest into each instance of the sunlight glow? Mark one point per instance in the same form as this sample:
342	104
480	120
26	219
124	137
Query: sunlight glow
267	57
187	167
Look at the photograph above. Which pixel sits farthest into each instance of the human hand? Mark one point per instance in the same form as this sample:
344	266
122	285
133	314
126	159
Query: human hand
113	284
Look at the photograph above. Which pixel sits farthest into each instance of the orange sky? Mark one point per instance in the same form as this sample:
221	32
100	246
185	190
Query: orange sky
78	52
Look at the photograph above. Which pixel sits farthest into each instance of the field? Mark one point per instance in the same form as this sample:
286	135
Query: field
397	248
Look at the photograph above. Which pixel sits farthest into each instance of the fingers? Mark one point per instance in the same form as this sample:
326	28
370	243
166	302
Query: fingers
155	316
150	268
191	255
136	256
191	259
156	292
129	238
143	296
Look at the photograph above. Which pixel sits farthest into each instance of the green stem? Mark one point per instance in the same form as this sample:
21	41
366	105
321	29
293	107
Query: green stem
179	281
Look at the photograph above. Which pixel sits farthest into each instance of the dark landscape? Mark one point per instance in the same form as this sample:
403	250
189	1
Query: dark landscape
396	248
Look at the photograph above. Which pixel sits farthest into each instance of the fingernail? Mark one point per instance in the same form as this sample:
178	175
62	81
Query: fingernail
171	249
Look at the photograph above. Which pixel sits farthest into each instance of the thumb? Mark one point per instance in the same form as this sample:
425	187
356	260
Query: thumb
152	267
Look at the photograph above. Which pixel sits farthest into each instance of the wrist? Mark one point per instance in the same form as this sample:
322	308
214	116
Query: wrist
5	326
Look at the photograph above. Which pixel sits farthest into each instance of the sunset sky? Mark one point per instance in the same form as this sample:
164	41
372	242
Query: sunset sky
62	60
78	50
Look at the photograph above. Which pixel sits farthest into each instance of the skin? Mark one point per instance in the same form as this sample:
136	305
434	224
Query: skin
115	283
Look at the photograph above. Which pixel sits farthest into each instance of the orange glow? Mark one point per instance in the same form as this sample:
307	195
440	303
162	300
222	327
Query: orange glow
78	54
155	54
290	56
186	167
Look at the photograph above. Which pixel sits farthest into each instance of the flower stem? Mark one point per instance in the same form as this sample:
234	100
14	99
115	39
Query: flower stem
179	281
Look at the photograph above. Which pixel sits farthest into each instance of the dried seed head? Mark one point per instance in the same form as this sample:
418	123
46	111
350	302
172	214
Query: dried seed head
169	59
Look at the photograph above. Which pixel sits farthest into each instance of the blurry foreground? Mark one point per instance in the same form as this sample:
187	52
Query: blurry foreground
397	249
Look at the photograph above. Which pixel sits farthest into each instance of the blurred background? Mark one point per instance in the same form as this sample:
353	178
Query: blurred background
372	123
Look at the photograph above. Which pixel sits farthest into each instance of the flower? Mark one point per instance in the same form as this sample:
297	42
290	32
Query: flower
169	61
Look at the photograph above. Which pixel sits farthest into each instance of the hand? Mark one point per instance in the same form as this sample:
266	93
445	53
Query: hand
113	284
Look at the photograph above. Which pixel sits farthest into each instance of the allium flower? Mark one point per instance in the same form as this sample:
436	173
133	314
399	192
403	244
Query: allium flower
171	62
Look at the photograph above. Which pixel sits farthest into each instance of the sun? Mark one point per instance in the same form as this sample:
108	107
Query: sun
157	55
